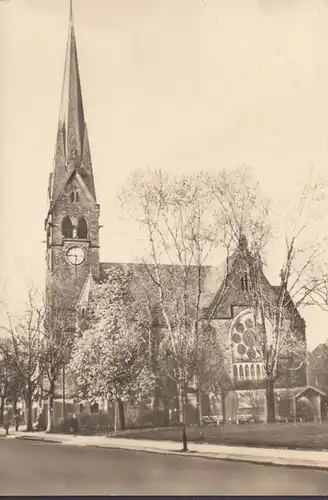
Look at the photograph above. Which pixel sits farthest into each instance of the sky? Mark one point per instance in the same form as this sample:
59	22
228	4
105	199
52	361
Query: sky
181	85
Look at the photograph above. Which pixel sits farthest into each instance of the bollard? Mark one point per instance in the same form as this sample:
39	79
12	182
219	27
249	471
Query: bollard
184	439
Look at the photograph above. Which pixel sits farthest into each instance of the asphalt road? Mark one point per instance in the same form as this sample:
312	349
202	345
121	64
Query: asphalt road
38	468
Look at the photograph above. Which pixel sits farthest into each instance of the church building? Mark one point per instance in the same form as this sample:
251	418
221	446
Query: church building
72	254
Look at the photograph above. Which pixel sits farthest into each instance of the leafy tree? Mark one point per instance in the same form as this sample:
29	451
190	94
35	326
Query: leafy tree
110	359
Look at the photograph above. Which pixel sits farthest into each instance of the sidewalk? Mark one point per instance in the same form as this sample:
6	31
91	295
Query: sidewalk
293	458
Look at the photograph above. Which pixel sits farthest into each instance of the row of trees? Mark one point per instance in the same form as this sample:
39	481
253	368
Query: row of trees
37	345
148	326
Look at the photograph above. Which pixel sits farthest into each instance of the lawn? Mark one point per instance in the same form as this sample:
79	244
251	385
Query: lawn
299	435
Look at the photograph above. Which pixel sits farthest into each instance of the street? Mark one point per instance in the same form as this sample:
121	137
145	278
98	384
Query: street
39	468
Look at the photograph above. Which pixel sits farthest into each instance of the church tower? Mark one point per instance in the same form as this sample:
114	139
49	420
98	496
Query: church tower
72	221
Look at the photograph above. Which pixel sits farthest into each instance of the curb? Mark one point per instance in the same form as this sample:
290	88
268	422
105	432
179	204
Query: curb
37	439
278	462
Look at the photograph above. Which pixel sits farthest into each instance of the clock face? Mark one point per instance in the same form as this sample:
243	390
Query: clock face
75	256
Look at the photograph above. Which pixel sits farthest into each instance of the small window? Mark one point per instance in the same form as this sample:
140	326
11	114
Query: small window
67	228
72	196
82	229
77	196
244	283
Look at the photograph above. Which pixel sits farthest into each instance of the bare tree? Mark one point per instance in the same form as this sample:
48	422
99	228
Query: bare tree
58	332
212	372
11	386
27	341
186	220
280	331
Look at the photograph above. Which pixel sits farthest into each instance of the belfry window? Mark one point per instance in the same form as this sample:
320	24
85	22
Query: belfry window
75	196
82	229
244	284
67	228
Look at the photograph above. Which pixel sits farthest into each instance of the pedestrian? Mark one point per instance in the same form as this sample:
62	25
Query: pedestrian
17	419
75	425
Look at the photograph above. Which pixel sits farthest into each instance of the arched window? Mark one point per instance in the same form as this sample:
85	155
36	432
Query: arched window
241	372
77	196
72	196
258	372
82	229
247	374
67	228
235	372
252	371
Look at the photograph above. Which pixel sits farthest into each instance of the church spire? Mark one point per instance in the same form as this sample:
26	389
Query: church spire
72	147
71	118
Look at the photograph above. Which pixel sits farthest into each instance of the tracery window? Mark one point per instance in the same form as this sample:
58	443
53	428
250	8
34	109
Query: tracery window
246	355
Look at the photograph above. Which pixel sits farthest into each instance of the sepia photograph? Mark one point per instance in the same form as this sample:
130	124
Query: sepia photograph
164	247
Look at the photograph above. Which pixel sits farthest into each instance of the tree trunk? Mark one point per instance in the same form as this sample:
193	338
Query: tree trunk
2	409
180	405
270	400
29	404
185	407
122	415
50	419
200	412
223	406
115	417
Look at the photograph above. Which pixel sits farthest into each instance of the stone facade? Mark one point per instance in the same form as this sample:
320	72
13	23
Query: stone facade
72	221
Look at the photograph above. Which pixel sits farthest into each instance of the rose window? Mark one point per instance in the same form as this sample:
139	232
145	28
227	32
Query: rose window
243	340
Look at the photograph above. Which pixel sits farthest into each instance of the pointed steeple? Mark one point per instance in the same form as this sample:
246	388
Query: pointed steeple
71	118
72	147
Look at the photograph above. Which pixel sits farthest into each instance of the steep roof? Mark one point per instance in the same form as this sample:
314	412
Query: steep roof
72	153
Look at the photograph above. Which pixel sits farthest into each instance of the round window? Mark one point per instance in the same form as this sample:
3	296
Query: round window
241	349
236	338
239	328
248	338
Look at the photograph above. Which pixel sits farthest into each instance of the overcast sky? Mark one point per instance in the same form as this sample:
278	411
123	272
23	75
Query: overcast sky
178	84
